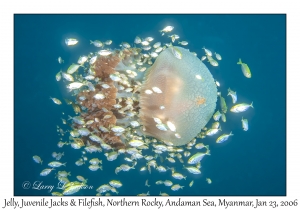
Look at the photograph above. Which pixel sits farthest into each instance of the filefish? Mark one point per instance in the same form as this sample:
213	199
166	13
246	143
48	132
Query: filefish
223	104
58	76
37	159
233	95
191	183
223	117
245	69
207	52
218	56
73	68
244	124
217	115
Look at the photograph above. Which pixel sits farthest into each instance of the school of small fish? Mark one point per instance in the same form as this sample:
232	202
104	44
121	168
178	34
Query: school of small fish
146	155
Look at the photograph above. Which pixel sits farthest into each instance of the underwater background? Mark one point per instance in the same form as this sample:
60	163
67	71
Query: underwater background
249	163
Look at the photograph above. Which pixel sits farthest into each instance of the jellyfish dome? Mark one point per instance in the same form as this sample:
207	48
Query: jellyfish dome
187	99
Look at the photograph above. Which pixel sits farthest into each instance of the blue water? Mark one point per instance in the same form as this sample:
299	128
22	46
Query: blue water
249	163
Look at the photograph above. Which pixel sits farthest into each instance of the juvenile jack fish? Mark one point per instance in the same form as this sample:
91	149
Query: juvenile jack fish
241	107
115	183
166	29
67	77
136	143
183	43
104	52
192	169
46	171
56	164
73	189
176	187
196	158
58	76
71	41
96	43
223	137
56	101
74	85
60	60
176	52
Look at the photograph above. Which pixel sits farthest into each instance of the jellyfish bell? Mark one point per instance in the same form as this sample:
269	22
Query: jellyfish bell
188	103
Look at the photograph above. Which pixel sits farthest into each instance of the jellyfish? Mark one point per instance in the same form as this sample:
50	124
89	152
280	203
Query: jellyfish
169	90
188	102
134	108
